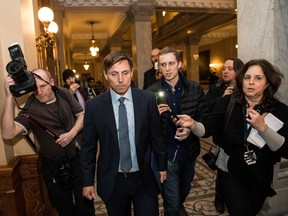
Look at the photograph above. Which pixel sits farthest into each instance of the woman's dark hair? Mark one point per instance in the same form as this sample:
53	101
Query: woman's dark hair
273	76
114	57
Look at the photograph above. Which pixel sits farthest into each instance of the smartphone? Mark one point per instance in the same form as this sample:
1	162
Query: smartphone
259	109
162	99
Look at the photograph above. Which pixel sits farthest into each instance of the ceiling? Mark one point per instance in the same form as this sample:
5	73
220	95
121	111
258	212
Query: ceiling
209	25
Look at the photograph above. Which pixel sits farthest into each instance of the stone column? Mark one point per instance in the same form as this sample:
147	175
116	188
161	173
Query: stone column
141	40
263	33
192	57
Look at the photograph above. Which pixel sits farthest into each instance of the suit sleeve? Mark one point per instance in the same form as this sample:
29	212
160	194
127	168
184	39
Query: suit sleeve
157	137
89	146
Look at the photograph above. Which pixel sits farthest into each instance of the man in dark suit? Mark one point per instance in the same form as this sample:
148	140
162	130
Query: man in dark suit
116	186
150	76
90	92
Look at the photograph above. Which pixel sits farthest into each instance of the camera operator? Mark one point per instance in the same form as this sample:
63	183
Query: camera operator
55	110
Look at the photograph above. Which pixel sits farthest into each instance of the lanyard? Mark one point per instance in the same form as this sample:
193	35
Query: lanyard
249	155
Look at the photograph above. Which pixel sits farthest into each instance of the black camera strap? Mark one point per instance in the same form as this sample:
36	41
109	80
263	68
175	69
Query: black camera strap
43	128
37	123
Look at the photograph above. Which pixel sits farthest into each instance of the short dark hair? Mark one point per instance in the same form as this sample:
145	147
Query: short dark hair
67	73
166	50
114	57
273	76
90	78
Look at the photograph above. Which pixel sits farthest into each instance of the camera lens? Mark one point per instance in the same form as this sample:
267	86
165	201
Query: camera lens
15	69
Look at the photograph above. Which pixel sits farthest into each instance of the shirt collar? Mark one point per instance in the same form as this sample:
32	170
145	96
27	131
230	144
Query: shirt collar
115	97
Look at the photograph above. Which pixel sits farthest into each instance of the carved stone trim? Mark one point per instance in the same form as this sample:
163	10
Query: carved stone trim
96	2
140	12
219	4
223	4
22	191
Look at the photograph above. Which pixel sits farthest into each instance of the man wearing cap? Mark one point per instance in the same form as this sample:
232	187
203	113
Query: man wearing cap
70	83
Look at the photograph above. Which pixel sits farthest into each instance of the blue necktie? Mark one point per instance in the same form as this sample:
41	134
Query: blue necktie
125	155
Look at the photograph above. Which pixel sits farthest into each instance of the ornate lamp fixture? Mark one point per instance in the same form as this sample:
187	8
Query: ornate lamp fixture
93	49
86	65
46	16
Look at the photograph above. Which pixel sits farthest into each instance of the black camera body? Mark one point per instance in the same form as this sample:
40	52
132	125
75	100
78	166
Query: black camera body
64	174
17	68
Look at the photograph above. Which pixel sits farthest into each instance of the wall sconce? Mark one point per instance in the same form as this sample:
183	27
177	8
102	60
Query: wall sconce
163	13
46	17
86	65
196	57
213	67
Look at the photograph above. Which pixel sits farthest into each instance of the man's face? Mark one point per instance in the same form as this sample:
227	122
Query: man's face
154	54
44	91
169	66
91	84
70	80
228	72
119	77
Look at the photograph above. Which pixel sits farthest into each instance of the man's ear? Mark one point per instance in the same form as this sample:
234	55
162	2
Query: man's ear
179	64
105	75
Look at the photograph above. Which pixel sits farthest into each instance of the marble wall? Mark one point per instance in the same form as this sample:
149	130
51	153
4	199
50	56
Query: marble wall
263	33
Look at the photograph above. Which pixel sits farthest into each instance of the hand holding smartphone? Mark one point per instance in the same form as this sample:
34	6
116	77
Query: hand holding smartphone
162	99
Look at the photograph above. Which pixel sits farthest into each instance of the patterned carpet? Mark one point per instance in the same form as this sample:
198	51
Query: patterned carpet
200	201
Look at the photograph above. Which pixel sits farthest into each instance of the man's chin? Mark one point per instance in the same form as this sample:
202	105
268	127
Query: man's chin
42	99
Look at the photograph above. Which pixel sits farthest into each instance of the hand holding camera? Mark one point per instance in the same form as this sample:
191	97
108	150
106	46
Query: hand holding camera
17	69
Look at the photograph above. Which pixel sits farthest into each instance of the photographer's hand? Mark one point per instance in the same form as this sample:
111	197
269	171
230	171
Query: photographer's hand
8	81
64	139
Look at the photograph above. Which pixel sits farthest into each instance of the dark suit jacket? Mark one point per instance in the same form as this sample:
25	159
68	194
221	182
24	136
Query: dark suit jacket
86	94
149	78
99	125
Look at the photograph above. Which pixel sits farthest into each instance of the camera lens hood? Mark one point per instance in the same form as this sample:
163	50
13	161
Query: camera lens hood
14	67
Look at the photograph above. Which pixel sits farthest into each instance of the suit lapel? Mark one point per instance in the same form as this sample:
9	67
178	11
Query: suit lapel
137	114
108	111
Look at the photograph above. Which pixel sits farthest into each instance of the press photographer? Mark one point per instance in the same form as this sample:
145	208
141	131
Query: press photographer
56	120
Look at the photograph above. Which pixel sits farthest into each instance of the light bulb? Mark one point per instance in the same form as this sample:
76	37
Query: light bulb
53	27
45	14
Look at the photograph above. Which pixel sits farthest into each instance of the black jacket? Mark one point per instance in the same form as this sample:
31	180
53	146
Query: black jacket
192	104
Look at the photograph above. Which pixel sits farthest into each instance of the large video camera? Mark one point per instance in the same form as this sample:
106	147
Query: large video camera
17	68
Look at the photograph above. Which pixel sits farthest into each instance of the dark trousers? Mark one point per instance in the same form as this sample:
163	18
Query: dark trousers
67	202
218	191
241	197
131	190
